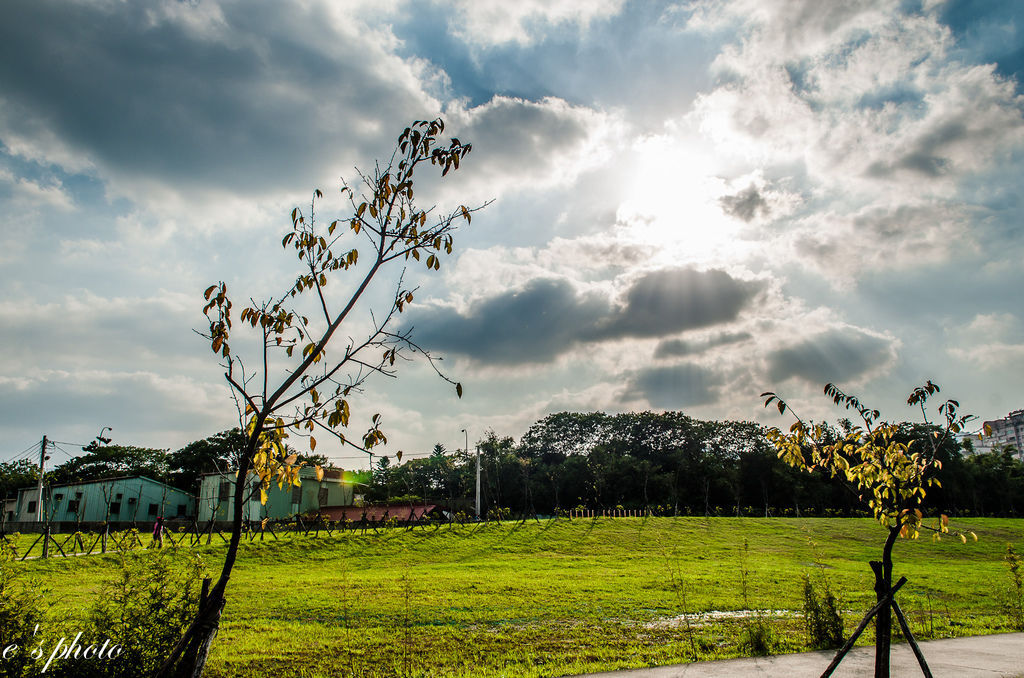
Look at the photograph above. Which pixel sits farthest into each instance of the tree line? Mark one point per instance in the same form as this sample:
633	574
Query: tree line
673	464
667	463
181	468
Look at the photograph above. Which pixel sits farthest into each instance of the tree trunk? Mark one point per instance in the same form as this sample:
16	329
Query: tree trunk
883	620
188	656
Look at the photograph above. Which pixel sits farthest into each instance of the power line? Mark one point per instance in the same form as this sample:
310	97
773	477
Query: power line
30	450
57	446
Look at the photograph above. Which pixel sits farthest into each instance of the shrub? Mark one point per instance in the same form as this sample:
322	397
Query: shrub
21	609
144	610
821	615
758	638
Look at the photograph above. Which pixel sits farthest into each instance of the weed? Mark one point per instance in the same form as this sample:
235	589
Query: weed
821	614
1014	603
758	636
679	587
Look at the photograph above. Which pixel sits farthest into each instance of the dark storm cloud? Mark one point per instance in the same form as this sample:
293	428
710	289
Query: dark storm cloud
746	204
548	317
532	325
172	92
524	133
674	387
673	300
833	356
674	348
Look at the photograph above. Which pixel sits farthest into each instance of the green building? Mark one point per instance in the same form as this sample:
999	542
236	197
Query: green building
216	495
124	499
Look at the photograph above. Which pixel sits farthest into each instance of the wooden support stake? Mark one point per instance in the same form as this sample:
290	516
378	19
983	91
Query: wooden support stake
54	540
910	639
863	625
32	547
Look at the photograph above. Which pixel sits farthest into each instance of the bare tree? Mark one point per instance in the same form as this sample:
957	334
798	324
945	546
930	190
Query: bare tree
303	379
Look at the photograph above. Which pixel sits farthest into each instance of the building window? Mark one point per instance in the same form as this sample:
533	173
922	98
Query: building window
115	507
225	490
31	507
181	509
321	496
296	494
153	509
72	506
58	497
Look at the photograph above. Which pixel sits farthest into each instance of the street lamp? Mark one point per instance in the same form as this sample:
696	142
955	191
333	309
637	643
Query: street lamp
477	504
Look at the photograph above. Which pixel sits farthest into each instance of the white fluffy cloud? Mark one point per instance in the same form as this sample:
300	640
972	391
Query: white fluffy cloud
867	109
527	21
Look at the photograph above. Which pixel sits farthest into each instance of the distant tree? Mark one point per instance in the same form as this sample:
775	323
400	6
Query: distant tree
301	382
110	461
210	455
891	471
17	474
312	459
995	481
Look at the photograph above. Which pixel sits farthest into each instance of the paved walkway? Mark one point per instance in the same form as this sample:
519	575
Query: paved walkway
997	656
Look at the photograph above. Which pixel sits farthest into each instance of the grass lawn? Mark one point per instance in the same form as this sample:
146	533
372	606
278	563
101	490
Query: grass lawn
555	598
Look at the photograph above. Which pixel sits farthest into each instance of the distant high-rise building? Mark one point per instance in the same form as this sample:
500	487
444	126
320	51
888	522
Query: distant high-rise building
1006	431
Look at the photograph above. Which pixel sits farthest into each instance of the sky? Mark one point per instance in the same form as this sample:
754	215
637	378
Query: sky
693	203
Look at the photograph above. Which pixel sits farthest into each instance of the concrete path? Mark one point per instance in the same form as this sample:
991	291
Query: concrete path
997	656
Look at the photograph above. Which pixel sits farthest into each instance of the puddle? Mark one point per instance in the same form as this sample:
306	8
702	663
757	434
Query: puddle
712	616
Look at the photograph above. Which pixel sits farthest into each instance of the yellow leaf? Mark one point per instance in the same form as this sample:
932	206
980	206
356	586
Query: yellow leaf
312	443
291	458
319	473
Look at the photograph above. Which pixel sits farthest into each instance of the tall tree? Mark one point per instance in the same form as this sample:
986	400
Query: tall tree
17	474
893	473
302	380
109	461
210	455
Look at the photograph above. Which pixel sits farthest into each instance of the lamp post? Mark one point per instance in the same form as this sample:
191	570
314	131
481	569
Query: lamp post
476	505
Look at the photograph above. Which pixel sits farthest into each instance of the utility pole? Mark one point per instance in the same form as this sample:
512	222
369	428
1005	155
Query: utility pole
42	463
476	505
477	481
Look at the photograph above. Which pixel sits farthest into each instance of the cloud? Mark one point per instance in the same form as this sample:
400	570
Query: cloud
531	325
145	408
865	109
674	387
229	94
548	317
673	348
746	204
836	355
524	22
540	145
674	300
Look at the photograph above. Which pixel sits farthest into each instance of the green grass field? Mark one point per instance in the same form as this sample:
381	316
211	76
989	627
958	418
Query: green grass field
557	597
